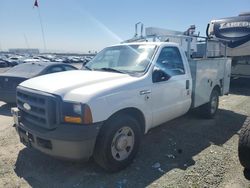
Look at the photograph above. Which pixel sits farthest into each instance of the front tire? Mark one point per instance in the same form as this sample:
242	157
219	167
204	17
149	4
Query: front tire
117	143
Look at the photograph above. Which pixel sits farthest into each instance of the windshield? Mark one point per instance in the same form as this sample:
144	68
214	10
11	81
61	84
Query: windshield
26	69
124	58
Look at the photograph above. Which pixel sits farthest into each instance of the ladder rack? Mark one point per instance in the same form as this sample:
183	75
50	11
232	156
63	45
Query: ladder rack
188	40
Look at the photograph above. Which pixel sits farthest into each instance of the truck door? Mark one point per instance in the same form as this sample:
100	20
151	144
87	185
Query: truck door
171	92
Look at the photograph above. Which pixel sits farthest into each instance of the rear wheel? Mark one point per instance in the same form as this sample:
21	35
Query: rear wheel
117	143
209	110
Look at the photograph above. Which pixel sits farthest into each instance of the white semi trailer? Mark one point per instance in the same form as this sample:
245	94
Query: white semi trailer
234	36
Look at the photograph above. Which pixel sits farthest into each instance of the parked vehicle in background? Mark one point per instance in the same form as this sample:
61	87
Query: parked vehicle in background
15	60
244	145
34	59
10	79
126	90
234	33
5	63
74	60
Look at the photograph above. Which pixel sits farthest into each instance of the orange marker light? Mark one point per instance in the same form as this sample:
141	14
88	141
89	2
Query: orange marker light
70	119
87	119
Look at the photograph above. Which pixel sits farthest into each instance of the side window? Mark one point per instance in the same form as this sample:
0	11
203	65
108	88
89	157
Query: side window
67	68
170	61
55	69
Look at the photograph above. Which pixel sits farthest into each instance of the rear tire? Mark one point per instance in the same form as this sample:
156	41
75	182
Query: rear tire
209	109
117	143
244	144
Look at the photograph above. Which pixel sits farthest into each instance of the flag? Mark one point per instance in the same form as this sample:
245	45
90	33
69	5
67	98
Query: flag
36	3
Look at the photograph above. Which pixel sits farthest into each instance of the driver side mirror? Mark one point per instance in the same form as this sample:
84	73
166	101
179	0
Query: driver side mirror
159	75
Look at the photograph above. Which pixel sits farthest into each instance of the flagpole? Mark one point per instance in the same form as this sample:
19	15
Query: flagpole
41	24
43	36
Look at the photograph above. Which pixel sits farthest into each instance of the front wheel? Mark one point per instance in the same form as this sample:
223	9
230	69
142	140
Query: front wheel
209	110
117	143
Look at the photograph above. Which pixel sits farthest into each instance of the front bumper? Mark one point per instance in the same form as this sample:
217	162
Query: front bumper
73	142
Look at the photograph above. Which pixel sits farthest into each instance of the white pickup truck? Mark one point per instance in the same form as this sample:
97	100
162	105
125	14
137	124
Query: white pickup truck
103	110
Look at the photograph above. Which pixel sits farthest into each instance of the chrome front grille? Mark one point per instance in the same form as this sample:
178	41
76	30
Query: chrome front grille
43	108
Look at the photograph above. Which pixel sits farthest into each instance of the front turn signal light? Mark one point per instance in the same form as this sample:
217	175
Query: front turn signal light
71	119
87	115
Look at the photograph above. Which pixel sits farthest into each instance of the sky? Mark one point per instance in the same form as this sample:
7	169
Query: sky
83	25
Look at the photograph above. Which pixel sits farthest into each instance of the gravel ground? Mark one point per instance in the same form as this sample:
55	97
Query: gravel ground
186	152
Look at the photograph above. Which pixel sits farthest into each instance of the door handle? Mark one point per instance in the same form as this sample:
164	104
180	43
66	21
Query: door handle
144	92
187	84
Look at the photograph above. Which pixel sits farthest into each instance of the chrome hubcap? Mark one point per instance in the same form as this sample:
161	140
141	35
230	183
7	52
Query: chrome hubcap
122	143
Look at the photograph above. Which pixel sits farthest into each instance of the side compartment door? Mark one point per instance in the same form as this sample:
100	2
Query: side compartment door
171	92
227	75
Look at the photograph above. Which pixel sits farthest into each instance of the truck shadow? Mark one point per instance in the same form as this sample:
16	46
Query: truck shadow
240	86
171	145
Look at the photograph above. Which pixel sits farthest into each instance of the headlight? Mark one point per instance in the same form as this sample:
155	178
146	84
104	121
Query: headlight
77	108
76	113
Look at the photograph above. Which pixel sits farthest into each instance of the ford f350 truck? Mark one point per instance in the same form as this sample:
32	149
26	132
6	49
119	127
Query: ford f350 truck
103	110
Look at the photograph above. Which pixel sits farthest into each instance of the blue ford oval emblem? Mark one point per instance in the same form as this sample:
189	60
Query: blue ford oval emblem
27	106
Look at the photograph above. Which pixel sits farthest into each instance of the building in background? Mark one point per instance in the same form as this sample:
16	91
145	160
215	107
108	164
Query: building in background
24	51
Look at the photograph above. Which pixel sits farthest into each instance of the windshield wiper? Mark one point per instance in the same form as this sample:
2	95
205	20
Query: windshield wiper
112	70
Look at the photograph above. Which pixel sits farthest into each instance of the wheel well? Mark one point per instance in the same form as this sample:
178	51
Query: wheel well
217	88
133	112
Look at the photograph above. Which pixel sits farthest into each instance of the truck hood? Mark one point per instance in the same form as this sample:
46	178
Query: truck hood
78	85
